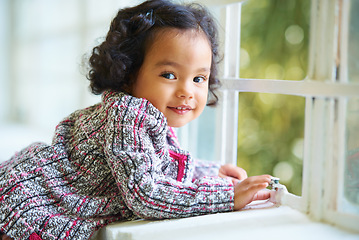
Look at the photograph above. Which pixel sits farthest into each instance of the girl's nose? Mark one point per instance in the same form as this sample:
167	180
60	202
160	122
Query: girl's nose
184	90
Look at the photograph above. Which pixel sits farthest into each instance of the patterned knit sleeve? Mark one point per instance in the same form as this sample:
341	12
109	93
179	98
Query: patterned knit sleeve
204	168
135	151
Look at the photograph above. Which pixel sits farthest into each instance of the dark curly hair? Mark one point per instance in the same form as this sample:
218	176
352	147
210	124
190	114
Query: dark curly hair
116	60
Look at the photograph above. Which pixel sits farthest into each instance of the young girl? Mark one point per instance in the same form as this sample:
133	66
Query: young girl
119	159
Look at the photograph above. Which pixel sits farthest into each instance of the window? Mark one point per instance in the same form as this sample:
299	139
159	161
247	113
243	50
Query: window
328	92
274	45
270	136
351	171
349	185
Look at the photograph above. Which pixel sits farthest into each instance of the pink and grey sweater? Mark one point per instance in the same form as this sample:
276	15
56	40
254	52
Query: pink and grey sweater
117	160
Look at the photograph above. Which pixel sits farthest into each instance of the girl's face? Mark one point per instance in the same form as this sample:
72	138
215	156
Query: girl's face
175	73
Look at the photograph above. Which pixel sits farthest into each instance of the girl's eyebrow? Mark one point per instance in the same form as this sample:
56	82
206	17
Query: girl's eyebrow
166	63
175	64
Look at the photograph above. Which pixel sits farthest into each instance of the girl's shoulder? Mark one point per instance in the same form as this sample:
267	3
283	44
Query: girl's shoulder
110	96
131	110
130	104
122	100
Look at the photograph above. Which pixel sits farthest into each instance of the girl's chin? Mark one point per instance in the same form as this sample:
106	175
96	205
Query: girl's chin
176	124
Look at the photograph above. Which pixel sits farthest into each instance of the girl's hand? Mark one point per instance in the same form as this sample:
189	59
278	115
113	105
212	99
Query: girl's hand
249	190
232	172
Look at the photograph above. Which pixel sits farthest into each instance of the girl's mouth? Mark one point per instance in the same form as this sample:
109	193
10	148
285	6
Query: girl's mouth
181	109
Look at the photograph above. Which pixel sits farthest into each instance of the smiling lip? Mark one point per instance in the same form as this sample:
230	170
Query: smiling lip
181	109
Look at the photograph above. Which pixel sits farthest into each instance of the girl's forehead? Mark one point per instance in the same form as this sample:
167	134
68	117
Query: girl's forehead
188	50
169	32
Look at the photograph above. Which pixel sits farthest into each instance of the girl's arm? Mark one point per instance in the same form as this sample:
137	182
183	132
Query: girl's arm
230	171
205	168
135	150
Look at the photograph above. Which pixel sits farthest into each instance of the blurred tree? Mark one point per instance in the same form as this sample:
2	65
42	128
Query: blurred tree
274	45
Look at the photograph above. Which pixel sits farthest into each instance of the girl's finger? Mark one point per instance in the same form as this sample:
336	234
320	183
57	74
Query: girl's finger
262	195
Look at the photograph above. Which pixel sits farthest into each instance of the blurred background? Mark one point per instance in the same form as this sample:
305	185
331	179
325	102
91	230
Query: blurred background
42	77
274	45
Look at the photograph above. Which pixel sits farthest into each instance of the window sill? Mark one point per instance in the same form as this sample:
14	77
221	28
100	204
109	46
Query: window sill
269	223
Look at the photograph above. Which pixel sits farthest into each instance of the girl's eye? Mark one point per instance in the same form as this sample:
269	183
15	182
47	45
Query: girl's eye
170	76
199	79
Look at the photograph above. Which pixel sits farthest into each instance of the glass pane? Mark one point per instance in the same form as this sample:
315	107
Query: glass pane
270	137
351	176
199	136
353	53
274	39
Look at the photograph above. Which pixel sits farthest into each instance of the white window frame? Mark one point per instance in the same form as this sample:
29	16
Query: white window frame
326	95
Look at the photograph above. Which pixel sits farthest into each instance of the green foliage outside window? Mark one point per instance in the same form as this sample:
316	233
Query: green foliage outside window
274	45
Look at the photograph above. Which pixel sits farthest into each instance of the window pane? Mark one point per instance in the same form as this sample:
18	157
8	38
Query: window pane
270	137
353	53
351	175
274	39
199	136
352	159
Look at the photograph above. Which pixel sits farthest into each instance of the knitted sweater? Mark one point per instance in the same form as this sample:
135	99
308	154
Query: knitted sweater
117	160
